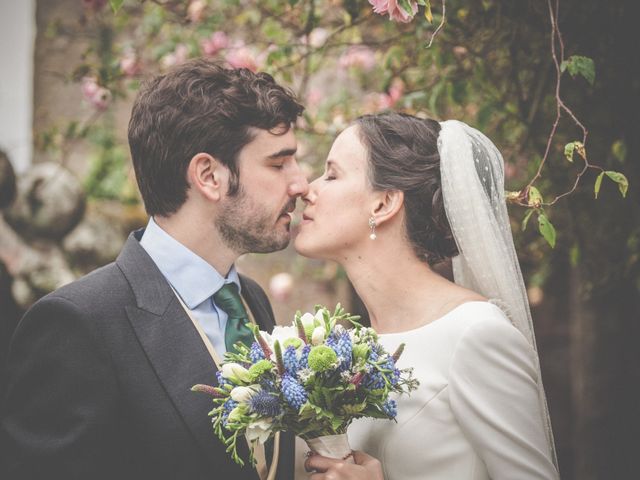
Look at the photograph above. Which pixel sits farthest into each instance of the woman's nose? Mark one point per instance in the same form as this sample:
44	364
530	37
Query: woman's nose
311	194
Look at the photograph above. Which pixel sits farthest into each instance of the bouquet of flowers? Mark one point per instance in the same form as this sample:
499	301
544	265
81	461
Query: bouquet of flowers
312	378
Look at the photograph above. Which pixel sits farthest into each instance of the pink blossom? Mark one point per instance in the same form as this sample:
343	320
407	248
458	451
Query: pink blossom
99	97
195	11
242	57
394	10
178	56
396	89
358	56
216	42
380	6
129	63
314	97
281	286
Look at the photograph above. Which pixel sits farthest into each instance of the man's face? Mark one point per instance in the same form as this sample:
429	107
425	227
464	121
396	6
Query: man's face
258	217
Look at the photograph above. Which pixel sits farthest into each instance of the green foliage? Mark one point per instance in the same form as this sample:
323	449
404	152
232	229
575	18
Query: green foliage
579	65
547	229
116	5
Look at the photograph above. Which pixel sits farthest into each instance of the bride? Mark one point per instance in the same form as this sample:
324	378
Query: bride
399	195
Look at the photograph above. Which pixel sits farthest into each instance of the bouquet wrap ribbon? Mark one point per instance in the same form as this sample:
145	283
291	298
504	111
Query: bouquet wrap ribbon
332	446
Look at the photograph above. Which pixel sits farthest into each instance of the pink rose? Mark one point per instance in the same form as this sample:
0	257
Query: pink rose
380	6
216	42
396	13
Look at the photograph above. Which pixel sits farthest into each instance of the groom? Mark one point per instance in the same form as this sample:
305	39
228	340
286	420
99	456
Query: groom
100	371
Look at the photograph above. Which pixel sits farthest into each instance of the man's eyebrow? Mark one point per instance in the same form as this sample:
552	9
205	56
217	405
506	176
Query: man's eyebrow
285	152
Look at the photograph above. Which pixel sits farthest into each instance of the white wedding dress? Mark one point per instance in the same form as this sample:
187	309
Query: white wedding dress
476	414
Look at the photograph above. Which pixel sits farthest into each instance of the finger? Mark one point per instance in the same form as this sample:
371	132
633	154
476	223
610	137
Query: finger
320	463
360	457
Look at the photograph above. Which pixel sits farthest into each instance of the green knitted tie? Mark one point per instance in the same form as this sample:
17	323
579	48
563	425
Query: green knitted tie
228	299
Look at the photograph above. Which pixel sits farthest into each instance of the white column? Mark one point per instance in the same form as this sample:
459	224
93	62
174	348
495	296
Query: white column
17	39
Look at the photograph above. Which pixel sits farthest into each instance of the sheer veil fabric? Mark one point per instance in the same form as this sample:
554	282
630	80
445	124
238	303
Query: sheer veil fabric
472	172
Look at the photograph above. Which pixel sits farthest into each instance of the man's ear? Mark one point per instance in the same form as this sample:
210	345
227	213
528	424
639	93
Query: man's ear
387	206
207	176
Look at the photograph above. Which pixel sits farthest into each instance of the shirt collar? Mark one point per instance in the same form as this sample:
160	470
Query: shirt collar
190	275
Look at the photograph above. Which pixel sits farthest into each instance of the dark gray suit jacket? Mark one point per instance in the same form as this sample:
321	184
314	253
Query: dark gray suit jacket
98	383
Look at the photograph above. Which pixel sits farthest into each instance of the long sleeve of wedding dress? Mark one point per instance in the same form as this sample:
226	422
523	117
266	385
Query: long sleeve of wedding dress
475	415
494	396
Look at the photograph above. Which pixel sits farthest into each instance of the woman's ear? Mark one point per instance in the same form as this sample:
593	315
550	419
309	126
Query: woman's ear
388	206
207	176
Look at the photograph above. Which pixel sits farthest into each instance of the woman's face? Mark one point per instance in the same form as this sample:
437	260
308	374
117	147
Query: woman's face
339	203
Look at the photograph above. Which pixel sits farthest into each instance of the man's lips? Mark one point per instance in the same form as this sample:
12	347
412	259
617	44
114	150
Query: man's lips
306	218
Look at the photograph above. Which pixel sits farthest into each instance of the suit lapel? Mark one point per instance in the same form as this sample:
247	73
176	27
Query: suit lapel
173	347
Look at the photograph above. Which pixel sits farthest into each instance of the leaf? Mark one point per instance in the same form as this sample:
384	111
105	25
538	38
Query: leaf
596	187
568	151
525	220
579	65
574	255
406	6
427	11
619	150
547	230
116	5
535	197
620	179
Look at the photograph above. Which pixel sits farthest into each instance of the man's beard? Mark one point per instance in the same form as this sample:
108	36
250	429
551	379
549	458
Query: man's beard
246	227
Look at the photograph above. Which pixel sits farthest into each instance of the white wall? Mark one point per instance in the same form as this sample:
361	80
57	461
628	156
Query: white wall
17	38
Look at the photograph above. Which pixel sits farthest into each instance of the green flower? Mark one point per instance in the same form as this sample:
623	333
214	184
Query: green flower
360	351
322	358
260	368
295	342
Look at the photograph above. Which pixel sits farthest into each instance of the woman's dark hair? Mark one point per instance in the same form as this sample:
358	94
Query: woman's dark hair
403	155
197	107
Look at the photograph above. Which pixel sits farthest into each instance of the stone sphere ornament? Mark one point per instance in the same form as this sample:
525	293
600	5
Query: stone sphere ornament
50	202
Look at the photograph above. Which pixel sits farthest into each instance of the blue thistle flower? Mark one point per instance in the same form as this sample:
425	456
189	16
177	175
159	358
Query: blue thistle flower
256	354
290	360
294	393
303	362
390	407
265	403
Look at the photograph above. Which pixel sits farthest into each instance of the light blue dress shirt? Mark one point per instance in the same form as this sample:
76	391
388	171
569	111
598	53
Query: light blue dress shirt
193	278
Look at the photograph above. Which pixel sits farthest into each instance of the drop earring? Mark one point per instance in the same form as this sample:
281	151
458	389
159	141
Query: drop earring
372	226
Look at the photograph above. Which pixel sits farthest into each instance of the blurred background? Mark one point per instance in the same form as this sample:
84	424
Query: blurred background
68	199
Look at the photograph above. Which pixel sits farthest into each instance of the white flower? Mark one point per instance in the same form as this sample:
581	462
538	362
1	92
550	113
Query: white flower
259	430
235	372
305	374
280	333
320	315
308	320
318	336
244	394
